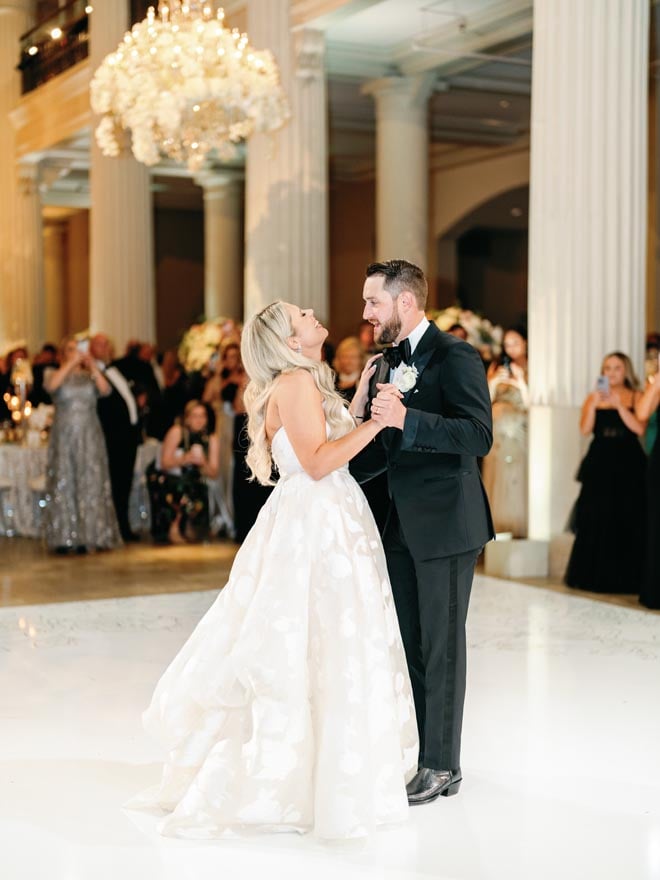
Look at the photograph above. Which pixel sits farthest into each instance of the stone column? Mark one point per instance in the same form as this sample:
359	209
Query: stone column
587	225
223	244
122	292
286	224
21	287
28	257
402	166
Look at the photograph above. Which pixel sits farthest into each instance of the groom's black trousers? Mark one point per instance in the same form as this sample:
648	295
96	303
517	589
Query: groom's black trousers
431	598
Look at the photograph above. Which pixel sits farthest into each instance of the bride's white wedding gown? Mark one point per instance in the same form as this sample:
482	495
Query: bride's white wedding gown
289	707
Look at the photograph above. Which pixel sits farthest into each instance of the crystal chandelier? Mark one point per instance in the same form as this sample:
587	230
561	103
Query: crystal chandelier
183	84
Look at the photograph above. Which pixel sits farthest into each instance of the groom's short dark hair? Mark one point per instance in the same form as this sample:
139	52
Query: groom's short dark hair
401	275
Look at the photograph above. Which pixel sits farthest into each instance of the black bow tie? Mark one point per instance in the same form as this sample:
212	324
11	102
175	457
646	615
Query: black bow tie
398	354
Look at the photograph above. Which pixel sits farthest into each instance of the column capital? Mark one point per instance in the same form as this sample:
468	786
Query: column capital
393	93
310	53
29	177
217	183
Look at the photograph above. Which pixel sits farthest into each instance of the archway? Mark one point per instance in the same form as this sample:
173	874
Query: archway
482	259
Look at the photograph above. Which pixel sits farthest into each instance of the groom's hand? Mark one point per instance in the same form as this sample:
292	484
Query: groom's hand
386	407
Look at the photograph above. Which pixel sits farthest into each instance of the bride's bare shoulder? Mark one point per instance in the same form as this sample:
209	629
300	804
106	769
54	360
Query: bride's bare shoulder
295	382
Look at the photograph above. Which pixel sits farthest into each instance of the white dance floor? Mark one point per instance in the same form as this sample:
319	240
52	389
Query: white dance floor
561	751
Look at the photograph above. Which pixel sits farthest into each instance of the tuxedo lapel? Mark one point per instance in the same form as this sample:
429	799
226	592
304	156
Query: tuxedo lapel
421	356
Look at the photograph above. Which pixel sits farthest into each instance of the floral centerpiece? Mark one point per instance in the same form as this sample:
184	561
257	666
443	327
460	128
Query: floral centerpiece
201	341
482	334
184	84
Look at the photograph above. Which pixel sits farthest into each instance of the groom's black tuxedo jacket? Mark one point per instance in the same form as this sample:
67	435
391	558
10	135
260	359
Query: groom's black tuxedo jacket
433	477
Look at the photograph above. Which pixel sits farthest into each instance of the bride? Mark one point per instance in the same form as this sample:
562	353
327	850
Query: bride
289	708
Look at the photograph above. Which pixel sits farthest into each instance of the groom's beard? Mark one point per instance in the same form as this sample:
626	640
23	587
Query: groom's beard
389	331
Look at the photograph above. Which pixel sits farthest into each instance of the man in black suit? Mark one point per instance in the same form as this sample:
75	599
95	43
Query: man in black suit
118	414
137	368
431	392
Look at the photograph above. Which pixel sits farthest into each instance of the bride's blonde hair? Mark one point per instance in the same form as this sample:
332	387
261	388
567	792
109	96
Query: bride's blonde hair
266	355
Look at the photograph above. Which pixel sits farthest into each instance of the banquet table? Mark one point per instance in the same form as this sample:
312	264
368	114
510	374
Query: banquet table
22	488
21	465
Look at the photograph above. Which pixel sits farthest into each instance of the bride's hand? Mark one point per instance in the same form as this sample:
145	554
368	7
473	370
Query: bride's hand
361	396
362	390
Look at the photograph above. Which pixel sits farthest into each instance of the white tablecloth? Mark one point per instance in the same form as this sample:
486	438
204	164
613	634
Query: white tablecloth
18	466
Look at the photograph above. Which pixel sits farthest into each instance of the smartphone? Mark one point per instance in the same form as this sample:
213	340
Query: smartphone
603	385
506	363
83	346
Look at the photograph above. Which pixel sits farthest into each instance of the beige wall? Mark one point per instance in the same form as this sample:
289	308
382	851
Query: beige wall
77	301
352	248
55	234
179	248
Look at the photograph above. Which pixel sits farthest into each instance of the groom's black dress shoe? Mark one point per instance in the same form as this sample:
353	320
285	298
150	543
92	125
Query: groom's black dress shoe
427	785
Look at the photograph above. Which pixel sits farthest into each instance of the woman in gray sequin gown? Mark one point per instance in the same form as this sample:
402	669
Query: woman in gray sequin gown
80	514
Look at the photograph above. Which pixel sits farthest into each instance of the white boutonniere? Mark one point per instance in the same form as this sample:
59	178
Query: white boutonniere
406	377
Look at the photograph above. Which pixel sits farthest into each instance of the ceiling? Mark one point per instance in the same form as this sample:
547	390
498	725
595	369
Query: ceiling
479	52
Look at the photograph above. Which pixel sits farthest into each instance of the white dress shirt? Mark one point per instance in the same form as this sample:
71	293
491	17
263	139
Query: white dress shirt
119	381
414	338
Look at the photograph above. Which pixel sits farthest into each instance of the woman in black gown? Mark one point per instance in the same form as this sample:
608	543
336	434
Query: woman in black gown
650	594
608	553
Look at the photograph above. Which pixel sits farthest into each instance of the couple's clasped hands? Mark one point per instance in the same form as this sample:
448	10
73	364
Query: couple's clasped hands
386	408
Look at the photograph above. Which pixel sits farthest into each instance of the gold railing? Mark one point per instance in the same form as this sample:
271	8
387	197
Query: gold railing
55	44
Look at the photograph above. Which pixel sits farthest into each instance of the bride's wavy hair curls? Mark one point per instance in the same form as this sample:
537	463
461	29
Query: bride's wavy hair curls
266	356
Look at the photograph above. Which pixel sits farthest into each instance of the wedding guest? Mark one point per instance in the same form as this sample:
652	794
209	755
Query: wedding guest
139	373
179	494
5	388
608	553
647	406
175	392
19	353
227	375
348	363
118	413
220	392
459	331
80	514
504	469
8	379
366	337
147	355
651	367
327	352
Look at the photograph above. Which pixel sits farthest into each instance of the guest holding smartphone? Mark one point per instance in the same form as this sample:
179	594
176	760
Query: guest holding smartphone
647	405
608	553
80	514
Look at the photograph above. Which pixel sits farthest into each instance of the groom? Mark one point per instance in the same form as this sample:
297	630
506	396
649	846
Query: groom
430	391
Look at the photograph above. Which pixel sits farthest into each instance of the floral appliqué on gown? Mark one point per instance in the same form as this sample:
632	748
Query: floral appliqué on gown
289	708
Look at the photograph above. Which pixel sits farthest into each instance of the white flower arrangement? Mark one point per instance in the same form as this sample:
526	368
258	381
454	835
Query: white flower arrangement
405	377
482	334
201	341
184	85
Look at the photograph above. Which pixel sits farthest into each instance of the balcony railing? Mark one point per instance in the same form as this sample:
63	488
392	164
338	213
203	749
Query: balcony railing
55	44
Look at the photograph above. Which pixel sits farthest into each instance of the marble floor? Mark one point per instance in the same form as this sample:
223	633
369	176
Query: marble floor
561	747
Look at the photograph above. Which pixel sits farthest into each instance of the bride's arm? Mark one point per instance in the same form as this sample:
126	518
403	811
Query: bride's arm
299	404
